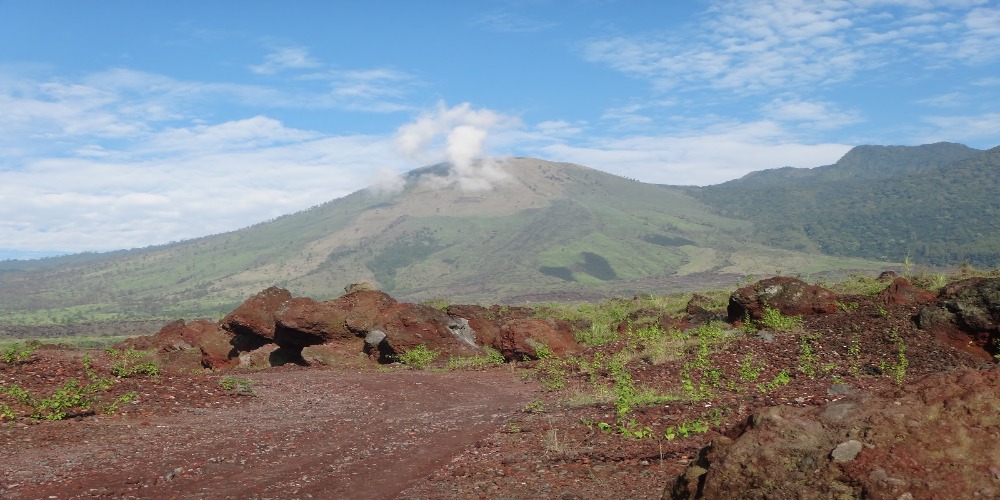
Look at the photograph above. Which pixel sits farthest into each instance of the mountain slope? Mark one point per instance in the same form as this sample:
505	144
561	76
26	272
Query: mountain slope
548	229
936	204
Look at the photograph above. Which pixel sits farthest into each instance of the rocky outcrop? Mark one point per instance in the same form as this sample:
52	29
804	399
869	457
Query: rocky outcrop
902	292
304	322
185	346
533	338
273	328
256	316
935	438
700	309
966	316
791	296
515	332
406	326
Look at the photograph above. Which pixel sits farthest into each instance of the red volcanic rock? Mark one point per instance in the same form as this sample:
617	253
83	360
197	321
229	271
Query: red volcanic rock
522	338
189	346
170	338
700	310
481	320
303	321
967	316
256	315
901	291
407	326
362	309
934	438
793	297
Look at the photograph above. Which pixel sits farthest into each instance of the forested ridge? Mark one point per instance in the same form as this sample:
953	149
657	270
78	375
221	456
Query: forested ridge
936	204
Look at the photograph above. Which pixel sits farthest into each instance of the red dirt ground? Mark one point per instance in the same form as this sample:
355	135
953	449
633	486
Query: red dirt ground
399	433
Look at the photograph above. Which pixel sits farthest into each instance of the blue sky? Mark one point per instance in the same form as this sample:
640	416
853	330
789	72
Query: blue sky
125	124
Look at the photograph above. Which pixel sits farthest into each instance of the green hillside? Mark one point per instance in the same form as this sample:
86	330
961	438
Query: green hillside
935	204
551	230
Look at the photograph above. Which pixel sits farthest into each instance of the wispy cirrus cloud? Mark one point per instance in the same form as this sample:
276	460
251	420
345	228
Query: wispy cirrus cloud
985	126
749	47
284	58
817	114
507	22
724	152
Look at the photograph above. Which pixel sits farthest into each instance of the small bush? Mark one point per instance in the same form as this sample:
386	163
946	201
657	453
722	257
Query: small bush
17	353
242	386
596	335
418	357
127	363
750	371
772	319
491	357
781	379
74	397
542	351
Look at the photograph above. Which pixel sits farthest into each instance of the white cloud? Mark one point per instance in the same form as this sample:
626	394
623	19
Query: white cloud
98	203
752	46
949	100
506	22
981	38
722	153
251	133
819	115
972	128
285	58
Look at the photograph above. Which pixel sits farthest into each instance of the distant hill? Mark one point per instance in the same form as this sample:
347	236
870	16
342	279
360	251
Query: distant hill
550	231
935	204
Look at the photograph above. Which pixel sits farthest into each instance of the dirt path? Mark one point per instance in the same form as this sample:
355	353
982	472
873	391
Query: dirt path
310	433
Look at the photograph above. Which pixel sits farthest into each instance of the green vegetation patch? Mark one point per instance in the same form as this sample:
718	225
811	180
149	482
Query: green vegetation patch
402	253
667	241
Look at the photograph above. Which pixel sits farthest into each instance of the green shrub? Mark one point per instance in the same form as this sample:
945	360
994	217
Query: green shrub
127	363
238	385
772	319
491	357
17	353
542	351
418	357
781	379
74	397
596	335
750	371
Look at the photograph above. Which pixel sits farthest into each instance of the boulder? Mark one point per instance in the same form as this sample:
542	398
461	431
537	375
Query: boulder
966	316
406	326
699	310
364	286
523	338
934	438
255	316
169	338
791	296
215	344
184	346
303	322
902	292
362	309
482	320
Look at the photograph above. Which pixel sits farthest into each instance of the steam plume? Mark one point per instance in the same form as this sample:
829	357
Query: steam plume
457	135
